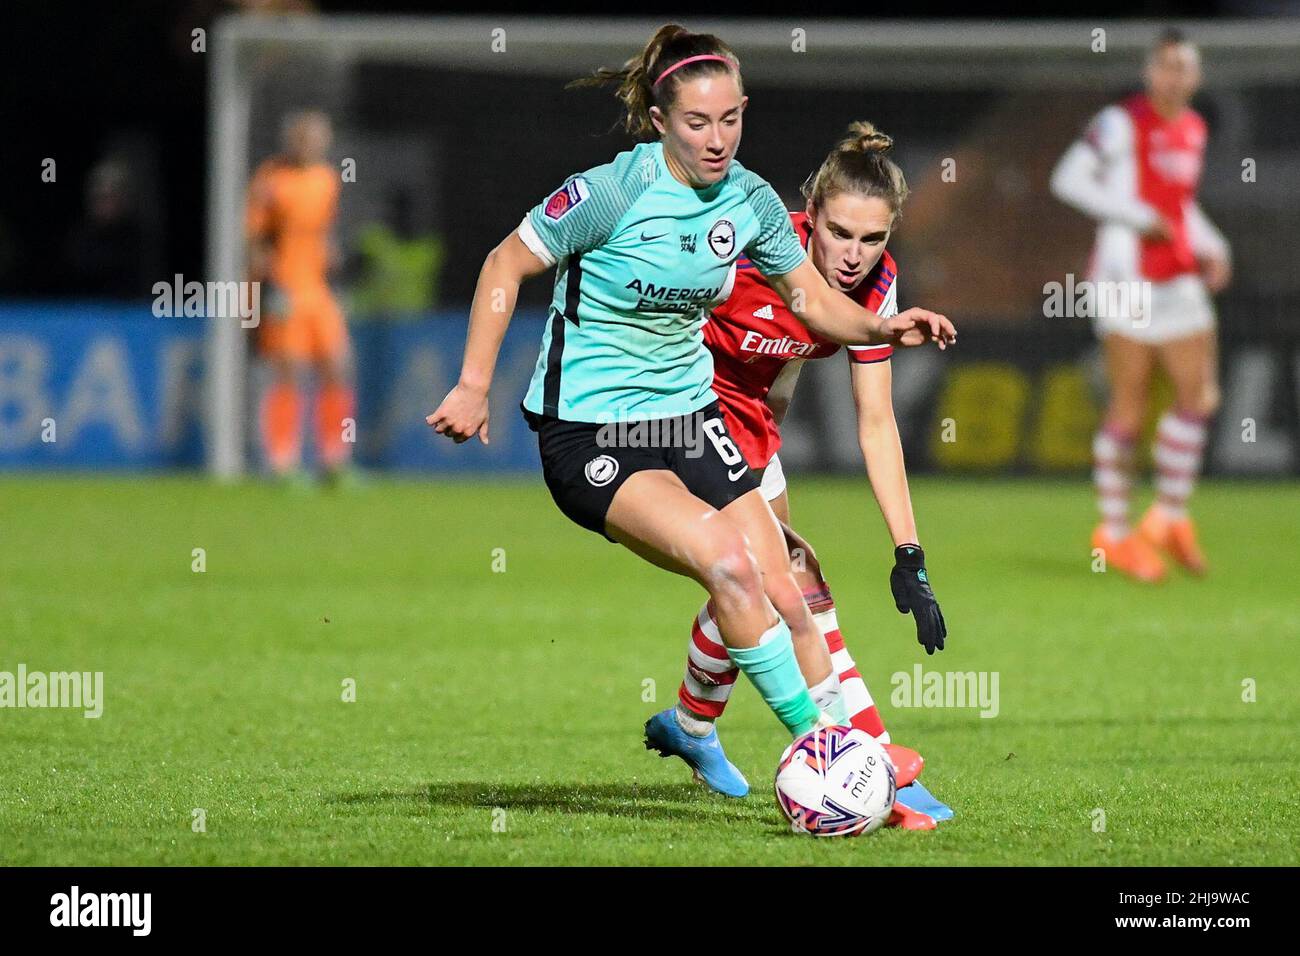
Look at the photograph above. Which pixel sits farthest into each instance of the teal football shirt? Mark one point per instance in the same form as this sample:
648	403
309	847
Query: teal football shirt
640	257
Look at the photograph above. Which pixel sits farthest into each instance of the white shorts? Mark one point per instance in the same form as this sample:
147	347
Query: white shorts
1178	309
773	484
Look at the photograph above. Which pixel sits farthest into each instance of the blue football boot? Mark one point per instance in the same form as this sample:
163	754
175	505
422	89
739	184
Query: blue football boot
916	797
702	754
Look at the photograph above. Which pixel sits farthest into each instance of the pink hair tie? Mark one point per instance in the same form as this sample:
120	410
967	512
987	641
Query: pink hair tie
690	59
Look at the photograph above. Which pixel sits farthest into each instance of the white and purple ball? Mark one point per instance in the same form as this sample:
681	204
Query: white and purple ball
836	781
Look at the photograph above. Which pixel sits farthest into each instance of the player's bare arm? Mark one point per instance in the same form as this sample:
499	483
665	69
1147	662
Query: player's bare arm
464	412
837	317
781	393
882	450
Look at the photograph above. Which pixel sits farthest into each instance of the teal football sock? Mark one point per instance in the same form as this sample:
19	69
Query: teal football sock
772	669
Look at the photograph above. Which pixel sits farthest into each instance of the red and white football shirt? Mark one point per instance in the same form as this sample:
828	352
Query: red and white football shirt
753	336
1131	166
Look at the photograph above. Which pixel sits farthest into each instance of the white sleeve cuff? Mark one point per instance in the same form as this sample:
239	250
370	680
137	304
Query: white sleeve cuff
534	242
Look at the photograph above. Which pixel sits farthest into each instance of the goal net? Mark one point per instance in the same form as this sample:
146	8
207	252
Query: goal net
453	127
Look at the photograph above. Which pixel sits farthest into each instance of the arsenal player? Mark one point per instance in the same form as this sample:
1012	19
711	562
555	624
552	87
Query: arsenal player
759	345
1136	171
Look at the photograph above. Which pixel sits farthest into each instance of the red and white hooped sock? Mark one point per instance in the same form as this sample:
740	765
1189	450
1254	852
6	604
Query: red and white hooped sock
1180	443
863	713
710	673
1112	475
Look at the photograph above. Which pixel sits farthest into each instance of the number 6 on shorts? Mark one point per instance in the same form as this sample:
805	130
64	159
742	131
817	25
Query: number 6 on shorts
717	432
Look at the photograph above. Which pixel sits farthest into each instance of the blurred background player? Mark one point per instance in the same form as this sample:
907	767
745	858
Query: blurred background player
1136	171
853	202
293	200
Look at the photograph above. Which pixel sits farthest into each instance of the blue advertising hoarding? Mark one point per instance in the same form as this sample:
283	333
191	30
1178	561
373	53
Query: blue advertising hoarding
90	386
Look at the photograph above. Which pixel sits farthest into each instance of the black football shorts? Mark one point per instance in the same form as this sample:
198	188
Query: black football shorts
585	463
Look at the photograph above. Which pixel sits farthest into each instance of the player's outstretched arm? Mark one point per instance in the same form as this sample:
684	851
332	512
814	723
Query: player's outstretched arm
882	451
464	412
833	315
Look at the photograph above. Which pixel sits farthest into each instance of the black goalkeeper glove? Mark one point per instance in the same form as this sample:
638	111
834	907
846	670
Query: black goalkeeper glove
911	587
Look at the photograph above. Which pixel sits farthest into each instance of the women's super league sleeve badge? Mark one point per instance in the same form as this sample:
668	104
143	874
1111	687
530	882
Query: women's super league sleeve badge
564	199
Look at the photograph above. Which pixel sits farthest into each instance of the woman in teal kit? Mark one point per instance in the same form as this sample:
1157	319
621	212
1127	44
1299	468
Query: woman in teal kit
643	245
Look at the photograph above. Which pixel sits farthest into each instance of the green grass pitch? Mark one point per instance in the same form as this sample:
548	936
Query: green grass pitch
498	714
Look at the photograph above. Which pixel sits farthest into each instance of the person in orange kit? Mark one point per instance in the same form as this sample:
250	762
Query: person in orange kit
292	203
